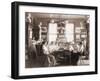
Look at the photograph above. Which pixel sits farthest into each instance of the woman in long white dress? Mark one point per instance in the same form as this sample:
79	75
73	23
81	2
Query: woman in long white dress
50	58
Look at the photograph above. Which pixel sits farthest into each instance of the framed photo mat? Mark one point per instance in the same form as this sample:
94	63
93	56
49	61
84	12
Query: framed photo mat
15	39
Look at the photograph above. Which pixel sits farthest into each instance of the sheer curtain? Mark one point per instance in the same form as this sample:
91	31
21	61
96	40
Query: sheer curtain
52	32
69	32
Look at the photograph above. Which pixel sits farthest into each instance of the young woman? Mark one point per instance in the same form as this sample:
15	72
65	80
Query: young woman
51	59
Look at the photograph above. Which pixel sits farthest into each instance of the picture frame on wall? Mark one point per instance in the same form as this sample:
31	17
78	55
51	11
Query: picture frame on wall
44	41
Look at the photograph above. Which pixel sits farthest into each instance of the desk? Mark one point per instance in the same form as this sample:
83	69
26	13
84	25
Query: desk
65	57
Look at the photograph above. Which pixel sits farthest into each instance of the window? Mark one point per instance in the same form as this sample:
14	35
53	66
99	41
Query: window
52	32
69	32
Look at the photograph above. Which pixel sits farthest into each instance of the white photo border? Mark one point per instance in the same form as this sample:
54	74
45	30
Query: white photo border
54	70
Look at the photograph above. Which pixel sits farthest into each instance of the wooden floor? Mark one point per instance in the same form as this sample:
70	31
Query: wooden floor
42	61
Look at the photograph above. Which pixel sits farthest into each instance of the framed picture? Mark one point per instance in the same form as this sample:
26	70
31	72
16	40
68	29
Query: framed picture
44	42
78	36
78	29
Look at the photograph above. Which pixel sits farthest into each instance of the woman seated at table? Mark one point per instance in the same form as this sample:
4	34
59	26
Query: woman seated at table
50	57
74	54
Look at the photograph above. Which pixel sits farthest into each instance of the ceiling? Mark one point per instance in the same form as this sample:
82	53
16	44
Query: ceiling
60	16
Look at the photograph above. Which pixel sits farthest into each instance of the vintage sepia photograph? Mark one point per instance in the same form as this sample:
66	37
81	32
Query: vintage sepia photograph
53	39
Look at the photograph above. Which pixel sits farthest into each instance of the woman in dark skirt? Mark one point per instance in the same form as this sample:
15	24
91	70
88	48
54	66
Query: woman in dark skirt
74	55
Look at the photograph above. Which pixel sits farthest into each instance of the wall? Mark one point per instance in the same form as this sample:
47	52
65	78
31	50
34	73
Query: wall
5	40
